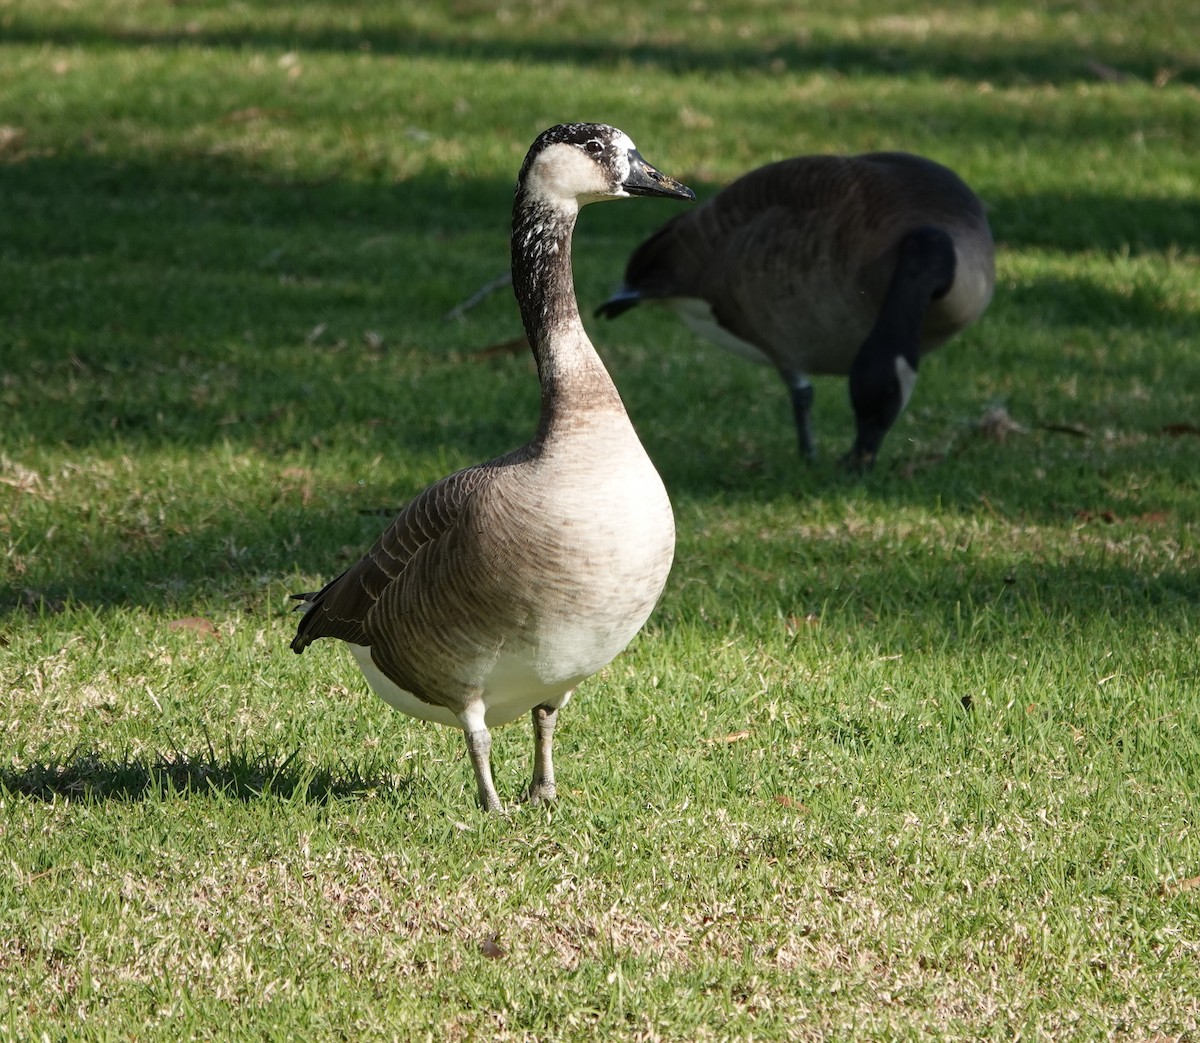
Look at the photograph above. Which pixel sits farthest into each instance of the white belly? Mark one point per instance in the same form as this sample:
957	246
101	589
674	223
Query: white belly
513	689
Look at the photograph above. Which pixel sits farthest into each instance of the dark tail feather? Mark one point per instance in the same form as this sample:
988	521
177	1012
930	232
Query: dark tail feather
619	303
302	640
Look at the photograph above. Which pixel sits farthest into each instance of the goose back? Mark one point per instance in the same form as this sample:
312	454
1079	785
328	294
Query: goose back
794	258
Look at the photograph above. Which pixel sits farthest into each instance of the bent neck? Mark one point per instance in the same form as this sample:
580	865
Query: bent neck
925	268
573	379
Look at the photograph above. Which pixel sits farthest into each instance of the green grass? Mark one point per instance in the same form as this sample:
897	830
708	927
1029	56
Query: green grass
908	757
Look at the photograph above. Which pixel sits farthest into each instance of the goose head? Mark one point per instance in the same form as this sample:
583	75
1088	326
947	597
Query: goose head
576	163
884	372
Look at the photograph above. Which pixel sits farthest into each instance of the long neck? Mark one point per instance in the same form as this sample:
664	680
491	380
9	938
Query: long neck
573	379
925	267
897	329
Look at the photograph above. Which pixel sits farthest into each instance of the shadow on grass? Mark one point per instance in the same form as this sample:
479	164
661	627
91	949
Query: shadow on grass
195	294
244	776
992	59
1087	221
782	553
181	303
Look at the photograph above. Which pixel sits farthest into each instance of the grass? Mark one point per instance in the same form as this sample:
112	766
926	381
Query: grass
907	757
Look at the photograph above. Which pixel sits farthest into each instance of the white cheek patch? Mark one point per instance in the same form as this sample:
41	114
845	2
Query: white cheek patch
565	174
908	380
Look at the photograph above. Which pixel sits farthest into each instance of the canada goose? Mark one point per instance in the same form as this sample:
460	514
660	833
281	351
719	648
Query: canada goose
501	587
826	265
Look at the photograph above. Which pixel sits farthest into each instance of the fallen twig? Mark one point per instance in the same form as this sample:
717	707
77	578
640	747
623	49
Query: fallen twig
485	291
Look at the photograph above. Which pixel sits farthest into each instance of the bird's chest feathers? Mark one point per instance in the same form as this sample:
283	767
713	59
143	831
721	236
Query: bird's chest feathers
597	516
592	542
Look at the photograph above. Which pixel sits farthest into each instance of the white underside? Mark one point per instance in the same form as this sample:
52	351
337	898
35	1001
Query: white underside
513	688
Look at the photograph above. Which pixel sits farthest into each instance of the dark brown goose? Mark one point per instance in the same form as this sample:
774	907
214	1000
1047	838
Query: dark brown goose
501	587
845	265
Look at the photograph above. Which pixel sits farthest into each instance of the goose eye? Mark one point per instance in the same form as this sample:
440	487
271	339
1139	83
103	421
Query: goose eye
594	148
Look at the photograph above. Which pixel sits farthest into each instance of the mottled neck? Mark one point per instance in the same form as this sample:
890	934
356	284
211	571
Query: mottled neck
573	378
897	329
541	267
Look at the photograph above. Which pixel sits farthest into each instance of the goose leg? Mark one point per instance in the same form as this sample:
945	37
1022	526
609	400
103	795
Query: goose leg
542	789
802	400
479	746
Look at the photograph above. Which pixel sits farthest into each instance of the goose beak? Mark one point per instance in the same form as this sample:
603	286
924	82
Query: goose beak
644	180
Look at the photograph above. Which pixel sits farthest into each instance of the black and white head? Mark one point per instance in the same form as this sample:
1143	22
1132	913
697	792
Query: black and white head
577	163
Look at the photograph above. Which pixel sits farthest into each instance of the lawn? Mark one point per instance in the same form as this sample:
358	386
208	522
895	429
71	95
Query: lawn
914	755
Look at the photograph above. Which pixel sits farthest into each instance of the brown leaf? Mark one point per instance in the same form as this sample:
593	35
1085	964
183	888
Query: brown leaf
198	625
505	347
791	802
1108	517
726	739
1175	430
1179	886
252	113
491	948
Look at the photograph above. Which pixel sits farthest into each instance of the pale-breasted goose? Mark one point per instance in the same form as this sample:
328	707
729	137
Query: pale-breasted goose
501	587
827	265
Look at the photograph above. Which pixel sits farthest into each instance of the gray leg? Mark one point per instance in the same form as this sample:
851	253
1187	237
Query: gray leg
542	789
479	746
802	400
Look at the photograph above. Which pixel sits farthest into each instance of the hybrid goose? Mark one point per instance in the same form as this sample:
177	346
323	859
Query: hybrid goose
845	265
501	587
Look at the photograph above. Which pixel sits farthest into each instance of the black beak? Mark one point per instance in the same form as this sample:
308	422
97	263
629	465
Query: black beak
644	180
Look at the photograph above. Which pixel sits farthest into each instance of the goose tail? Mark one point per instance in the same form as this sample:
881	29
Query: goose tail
307	602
